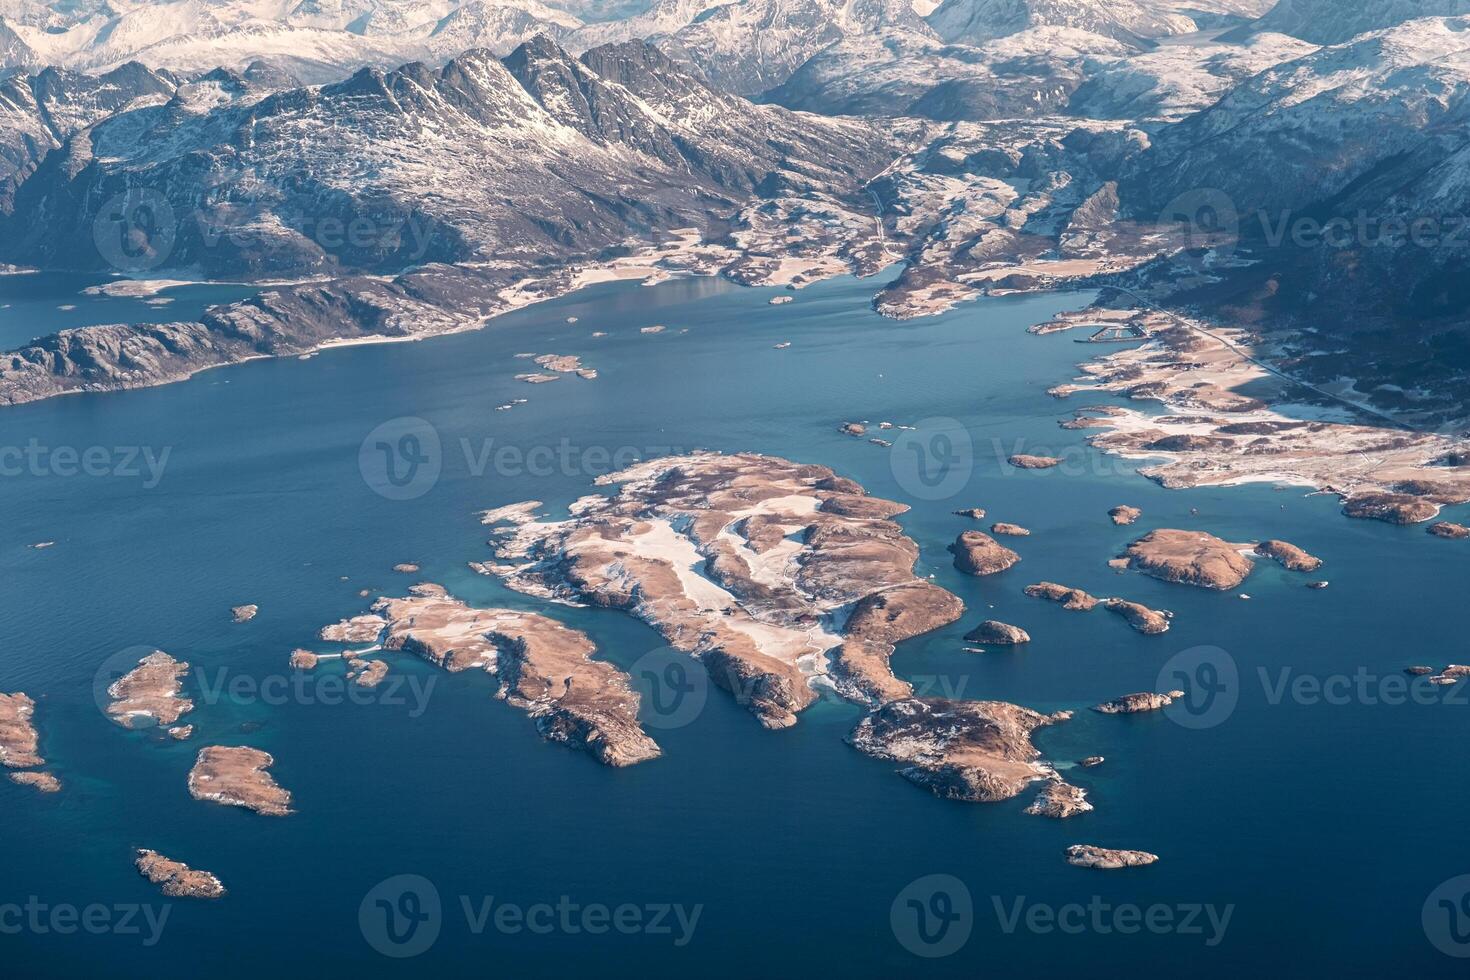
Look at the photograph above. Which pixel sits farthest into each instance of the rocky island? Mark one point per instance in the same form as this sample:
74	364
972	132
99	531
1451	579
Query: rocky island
979	751
150	694
1123	515
1292	558
1446	529
19	741
1090	856
1133	704
1072	599
977	553
995	633
1010	530
244	614
776	576
1190	558
176	879
1021	461
545	668
1060	800
237	776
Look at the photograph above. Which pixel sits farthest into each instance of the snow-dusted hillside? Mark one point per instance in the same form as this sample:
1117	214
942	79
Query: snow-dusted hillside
316	41
539	157
1336	21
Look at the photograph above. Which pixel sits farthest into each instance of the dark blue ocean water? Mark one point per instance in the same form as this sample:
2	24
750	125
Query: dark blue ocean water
1321	827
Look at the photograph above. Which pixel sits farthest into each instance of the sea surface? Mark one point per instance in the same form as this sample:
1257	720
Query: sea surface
1296	832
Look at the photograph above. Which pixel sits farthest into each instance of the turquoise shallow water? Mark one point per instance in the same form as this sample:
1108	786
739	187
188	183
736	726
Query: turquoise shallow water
1323	827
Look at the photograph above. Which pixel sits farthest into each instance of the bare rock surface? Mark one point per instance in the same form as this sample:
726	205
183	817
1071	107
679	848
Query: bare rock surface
1132	704
1108	859
19	741
1392	508
1190	558
994	633
977	553
44	782
545	668
979	751
237	776
1072	599
1010	530
1294	559
244	614
1123	515
1148	621
176	879
1447	529
773	574
1024	462
1060	800
151	693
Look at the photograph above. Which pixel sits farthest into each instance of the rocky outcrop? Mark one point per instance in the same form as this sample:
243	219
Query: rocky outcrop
1190	558
1446	529
977	553
406	568
1123	515
1393	508
1024	462
358	629
977	751
1073	599
150	694
771	573
1293	558
1091	856
19	742
1151	622
995	633
176	879
244	614
237	776
974	513
44	782
1132	704
545	669
1011	530
1090	761
1060	800
304	660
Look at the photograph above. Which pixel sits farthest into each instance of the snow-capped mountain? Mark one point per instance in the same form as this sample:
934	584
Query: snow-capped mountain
1336	21
900	73
537	157
316	40
974	21
754	45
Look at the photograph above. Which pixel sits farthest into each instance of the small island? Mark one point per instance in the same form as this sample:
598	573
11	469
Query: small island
237	776
1132	704
1091	856
1021	461
977	553
1190	558
150	694
176	879
995	633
